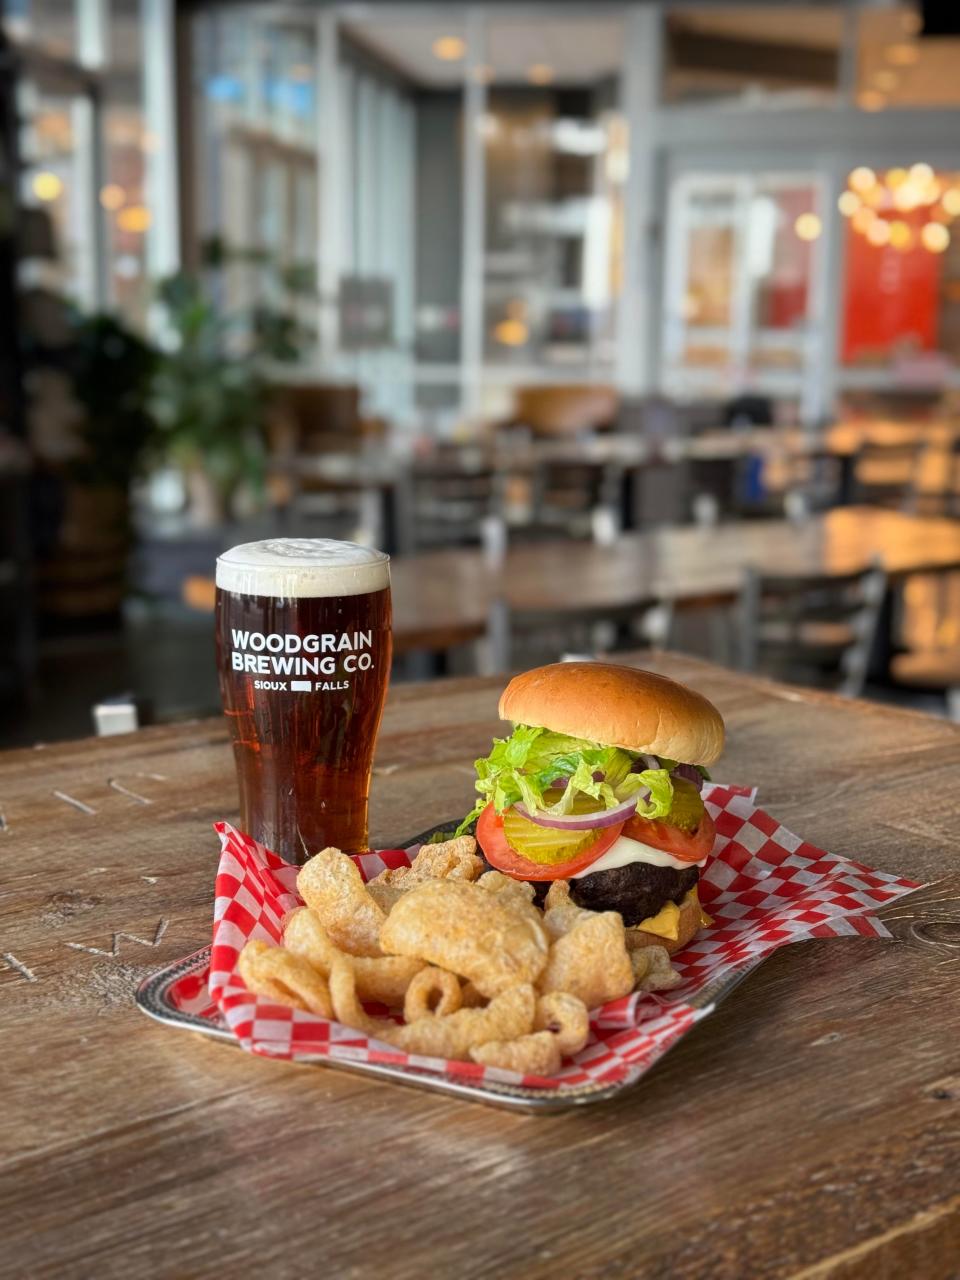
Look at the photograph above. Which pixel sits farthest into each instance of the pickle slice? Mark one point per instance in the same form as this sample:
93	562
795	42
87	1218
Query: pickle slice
544	845
687	808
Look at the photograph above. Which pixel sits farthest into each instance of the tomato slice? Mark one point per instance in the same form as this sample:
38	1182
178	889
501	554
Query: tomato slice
688	846
501	854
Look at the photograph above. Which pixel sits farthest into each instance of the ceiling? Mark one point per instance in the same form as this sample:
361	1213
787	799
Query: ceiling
578	50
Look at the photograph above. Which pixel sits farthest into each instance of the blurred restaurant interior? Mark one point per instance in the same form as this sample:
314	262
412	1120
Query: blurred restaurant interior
615	324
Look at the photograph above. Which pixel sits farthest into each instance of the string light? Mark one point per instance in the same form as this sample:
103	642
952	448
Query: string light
112	196
902	55
906	191
871	100
449	48
808	226
935	237
861	179
135	218
47	186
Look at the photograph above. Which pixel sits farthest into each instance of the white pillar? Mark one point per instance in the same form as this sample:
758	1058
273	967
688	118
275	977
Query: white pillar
640	102
160	130
329	187
474	206
820	382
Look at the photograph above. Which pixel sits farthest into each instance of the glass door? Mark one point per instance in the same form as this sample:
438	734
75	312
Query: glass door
740	290
60	257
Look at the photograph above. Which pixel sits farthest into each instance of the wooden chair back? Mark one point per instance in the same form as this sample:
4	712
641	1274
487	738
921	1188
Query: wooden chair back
524	637
565	410
885	474
812	625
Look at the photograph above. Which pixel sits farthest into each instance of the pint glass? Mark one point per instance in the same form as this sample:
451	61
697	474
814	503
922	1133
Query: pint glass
303	653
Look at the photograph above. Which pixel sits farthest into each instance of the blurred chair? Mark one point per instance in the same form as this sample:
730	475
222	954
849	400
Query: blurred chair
308	420
748	410
812	481
18	640
816	628
522	637
560	410
573	499
934	671
320	417
452	506
943	498
885	474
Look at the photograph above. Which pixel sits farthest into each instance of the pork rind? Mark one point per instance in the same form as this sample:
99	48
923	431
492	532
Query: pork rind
507	1016
471	997
385	895
287	979
331	885
591	961
518	894
652	970
452	860
381	978
431	993
560	912
474	933
566	1018
537	1054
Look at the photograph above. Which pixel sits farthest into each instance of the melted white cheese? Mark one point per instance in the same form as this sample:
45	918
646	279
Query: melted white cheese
625	851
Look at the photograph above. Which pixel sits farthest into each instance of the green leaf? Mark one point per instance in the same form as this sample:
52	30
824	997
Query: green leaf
660	786
526	766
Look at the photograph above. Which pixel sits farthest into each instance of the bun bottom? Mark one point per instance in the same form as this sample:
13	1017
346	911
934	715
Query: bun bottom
688	924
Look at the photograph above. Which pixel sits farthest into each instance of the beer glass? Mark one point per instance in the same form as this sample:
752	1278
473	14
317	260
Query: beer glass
303	654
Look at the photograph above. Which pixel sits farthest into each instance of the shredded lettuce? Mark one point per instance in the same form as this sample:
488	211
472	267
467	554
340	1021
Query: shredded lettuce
523	768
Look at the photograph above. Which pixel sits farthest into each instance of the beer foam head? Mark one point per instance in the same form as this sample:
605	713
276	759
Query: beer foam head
291	568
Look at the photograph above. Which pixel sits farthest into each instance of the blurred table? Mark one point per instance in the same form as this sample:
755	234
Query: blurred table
445	597
810	1127
384	478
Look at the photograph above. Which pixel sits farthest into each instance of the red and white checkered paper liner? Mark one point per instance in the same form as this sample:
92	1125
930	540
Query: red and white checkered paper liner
763	887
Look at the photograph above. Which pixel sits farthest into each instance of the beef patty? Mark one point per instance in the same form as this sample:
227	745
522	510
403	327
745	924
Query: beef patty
637	891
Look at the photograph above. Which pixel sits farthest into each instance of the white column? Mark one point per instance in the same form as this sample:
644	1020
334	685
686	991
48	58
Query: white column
637	349
474	207
330	178
160	124
820	381
92	28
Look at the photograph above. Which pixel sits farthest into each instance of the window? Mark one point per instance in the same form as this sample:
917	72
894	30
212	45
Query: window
555	160
742	255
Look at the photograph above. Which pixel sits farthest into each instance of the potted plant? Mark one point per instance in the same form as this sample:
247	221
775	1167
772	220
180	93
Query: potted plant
209	391
83	563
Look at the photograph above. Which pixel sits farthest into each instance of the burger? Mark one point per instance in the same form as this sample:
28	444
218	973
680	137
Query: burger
599	785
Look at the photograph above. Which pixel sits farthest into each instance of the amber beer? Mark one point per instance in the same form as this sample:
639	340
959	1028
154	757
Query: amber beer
303	653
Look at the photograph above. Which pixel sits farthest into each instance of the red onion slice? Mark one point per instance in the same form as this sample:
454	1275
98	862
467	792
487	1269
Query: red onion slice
691	773
584	821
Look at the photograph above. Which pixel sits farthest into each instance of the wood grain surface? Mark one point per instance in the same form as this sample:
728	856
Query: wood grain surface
809	1128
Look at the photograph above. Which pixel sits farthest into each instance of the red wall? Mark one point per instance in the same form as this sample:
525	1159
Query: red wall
890	298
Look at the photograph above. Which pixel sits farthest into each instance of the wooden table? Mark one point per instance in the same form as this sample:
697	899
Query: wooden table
444	597
809	1128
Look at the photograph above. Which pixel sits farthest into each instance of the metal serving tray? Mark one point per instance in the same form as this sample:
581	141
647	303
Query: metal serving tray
154	999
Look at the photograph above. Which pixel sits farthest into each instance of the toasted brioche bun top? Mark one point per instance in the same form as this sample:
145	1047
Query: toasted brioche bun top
618	706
